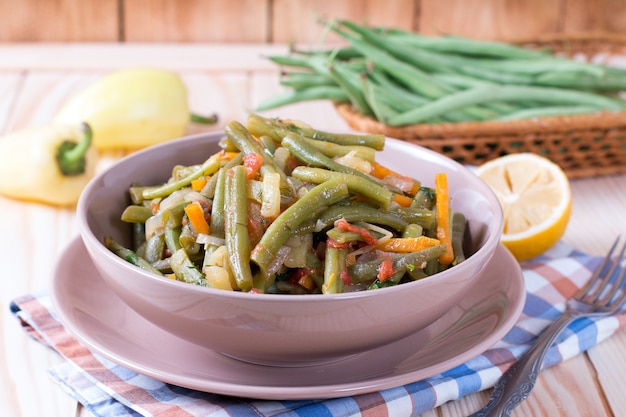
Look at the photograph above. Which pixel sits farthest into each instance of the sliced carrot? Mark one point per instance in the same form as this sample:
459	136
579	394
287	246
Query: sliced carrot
196	217
402	200
442	206
198	184
382	172
408	244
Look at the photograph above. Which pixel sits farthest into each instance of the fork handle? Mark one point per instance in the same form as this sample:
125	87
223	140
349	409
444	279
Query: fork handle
516	383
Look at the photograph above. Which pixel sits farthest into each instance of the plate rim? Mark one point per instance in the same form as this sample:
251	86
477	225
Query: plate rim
269	392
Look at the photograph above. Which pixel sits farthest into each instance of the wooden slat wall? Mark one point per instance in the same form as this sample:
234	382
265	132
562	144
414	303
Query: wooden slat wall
267	21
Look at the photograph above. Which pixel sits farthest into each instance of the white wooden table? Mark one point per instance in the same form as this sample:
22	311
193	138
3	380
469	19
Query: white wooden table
35	80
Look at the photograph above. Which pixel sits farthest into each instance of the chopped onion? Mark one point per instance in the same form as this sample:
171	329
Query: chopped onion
402	183
173	199
205	239
277	263
194	196
155	225
353	161
270	201
254	190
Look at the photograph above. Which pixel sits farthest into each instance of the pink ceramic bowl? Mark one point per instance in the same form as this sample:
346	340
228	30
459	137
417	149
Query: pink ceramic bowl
284	330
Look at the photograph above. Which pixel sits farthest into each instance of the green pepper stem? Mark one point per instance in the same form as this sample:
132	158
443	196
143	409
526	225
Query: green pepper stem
205	120
71	155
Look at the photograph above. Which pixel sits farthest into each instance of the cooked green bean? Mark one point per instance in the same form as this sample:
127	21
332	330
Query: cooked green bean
334	267
278	232
333	150
357	185
245	234
185	270
423	217
129	255
367	271
136	214
458	234
236	227
210	166
217	208
313	157
240	136
258	125
172	235
361	213
154	248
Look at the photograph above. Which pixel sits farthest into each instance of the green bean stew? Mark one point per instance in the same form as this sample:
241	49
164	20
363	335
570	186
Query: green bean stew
288	209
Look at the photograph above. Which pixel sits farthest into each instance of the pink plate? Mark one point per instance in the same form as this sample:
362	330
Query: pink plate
101	321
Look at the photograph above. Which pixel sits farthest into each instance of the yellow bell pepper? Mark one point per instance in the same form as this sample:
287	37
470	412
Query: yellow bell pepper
49	164
131	108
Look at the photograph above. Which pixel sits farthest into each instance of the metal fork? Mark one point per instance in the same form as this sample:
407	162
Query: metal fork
602	295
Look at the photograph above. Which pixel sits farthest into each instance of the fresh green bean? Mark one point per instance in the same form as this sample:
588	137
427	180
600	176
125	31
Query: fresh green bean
548	111
321	92
282	227
349	82
129	255
466	46
236	226
357	185
501	93
305	80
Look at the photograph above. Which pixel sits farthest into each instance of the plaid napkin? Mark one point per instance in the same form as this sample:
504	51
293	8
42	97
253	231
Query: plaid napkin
107	389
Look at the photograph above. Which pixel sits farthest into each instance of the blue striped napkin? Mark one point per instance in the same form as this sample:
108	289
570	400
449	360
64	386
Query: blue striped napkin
107	389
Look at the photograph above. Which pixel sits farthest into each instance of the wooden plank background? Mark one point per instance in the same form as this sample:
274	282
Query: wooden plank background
274	21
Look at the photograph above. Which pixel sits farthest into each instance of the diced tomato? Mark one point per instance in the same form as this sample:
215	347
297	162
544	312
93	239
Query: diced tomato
331	243
253	163
342	224
345	277
385	270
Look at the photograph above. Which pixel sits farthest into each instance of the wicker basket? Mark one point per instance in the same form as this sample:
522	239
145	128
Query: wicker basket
583	145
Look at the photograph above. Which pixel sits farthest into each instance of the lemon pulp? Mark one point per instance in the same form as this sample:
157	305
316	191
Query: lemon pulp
536	201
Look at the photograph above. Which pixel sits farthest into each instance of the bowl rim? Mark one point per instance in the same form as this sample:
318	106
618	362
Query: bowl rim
92	242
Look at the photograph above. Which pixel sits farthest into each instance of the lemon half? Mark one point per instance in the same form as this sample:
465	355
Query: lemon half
536	201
